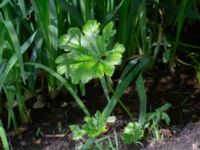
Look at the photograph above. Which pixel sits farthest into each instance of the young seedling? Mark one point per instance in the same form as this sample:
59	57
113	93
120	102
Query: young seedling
93	126
153	120
133	132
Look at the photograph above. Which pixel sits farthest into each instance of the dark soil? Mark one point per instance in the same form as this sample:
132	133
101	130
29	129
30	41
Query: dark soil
187	139
176	86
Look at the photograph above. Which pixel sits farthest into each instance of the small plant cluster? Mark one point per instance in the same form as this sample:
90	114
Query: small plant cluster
132	133
93	126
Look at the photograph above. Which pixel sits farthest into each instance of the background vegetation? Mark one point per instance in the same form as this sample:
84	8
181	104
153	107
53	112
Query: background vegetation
150	30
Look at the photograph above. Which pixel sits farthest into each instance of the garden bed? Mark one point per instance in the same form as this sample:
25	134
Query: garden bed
50	125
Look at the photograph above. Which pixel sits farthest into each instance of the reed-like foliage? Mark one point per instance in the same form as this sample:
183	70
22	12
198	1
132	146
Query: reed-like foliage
46	19
3	137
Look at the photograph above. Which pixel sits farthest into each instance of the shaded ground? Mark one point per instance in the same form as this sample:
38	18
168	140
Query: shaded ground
187	139
178	87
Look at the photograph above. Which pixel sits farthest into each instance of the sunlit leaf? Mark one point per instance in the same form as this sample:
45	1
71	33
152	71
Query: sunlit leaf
95	125
133	132
87	54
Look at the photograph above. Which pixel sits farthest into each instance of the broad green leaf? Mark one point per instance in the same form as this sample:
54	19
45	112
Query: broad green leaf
77	132
95	125
108	32
91	28
133	132
87	55
71	40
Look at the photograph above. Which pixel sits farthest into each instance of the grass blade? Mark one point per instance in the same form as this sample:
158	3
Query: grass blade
180	21
72	11
105	88
12	61
22	7
143	99
116	140
110	16
87	9
143	26
46	15
3	137
144	63
10	94
65	83
15	44
1	43
3	3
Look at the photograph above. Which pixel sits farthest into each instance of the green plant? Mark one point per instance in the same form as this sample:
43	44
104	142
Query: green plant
153	120
60	127
38	132
88	55
64	82
132	27
93	126
30	29
196	65
105	142
3	137
133	132
180	21
46	19
129	74
77	131
12	74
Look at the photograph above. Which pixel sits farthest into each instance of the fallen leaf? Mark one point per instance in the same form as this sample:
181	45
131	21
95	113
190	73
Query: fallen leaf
111	119
37	141
64	104
38	105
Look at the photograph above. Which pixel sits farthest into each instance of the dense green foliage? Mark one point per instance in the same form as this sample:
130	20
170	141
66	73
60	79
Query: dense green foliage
34	34
133	132
87	56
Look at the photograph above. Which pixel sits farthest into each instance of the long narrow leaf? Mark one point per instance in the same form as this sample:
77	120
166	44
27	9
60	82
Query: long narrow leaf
16	45
142	26
110	16
10	95
144	63
13	59
46	16
74	14
181	20
22	7
65	83
3	3
3	137
143	99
